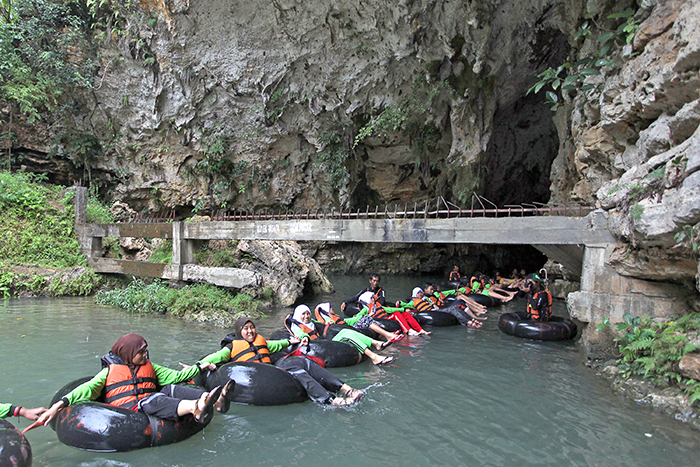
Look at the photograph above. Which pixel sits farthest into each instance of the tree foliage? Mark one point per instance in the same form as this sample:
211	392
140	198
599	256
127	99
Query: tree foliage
43	53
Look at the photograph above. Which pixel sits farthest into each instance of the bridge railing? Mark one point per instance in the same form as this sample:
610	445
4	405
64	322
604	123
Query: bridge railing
434	211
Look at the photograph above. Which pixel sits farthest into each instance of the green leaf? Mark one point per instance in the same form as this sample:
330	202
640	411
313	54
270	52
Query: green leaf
604	62
552	97
590	71
606	36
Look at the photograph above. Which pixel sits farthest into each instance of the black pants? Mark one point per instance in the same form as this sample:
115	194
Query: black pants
456	309
164	404
313	377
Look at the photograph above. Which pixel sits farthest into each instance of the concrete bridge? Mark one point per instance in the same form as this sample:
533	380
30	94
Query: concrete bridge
562	234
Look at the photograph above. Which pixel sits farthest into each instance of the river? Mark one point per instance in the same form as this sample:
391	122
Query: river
472	397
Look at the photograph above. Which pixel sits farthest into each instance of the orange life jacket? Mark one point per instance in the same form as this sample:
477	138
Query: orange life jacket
309	329
124	387
377	311
544	313
244	351
421	305
328	318
454	276
438	301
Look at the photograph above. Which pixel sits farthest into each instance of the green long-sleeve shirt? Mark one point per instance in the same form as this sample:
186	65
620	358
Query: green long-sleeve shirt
224	355
6	410
91	390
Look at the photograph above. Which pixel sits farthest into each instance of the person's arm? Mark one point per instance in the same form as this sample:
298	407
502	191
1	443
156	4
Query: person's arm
277	345
6	410
351	321
165	375
356	297
221	356
89	390
403	305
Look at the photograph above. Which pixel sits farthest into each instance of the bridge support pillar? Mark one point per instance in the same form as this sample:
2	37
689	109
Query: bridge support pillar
183	250
606	294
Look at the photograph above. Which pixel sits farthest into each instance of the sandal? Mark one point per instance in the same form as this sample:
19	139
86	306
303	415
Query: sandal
386	361
204	415
226	394
396	338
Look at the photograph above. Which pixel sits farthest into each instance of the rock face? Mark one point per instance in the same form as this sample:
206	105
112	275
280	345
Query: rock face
290	105
284	268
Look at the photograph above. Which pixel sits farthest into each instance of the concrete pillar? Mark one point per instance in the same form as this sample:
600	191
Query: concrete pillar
606	294
80	205
183	249
89	246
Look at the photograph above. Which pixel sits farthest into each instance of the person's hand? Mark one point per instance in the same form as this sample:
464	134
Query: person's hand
305	341
32	414
294	340
343	306
207	366
50	414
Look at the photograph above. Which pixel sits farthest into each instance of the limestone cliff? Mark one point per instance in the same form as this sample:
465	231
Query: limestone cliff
202	105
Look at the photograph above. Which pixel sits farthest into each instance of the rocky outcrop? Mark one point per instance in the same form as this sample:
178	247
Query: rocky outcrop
284	268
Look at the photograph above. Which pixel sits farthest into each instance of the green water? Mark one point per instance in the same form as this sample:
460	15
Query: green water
460	397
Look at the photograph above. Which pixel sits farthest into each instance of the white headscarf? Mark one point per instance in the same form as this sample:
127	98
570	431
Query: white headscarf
324	306
296	318
365	298
298	311
415	292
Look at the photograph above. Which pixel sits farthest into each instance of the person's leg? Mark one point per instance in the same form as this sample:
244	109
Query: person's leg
458	310
397	316
174	401
316	380
381	331
354	338
412	322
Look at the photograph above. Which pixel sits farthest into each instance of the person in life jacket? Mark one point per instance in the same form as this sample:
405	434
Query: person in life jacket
302	326
379	293
246	345
539	299
9	410
324	314
461	307
455	276
408	323
131	381
491	289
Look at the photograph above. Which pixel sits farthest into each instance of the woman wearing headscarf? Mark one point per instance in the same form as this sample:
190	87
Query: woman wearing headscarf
302	326
324	314
131	381
419	303
249	346
370	306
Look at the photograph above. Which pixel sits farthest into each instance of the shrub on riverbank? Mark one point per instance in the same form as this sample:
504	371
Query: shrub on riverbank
196	302
40	253
653	350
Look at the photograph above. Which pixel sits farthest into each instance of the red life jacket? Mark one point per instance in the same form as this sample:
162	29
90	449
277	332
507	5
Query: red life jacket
124	387
544	313
244	351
